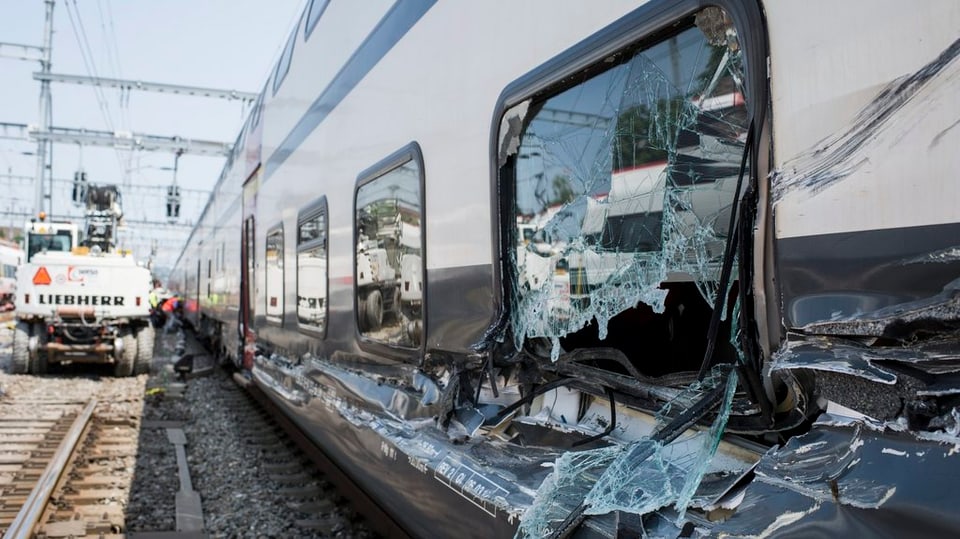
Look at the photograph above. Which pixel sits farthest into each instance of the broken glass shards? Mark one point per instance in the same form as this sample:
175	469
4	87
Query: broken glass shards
624	182
643	476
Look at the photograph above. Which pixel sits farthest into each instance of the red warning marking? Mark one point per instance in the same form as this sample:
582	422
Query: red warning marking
41	276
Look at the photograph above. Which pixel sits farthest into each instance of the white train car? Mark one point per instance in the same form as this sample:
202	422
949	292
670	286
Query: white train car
761	340
11	256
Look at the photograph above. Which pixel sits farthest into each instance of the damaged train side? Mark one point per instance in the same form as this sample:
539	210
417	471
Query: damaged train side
697	277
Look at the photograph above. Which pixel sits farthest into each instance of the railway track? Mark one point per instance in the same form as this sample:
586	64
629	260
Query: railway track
64	457
291	459
96	456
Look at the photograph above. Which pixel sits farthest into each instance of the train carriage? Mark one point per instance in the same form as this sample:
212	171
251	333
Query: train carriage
605	269
11	256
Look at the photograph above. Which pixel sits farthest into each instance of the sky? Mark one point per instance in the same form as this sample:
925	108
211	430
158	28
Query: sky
223	44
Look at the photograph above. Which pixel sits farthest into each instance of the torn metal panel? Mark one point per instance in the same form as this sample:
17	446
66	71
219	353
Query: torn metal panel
901	321
850	481
638	477
875	363
913	382
497	476
942	256
824	354
865	219
504	469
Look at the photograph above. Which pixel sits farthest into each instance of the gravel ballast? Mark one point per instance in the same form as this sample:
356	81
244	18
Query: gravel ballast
239	463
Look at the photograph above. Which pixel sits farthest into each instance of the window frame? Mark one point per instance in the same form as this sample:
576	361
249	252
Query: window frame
642	27
406	154
312	20
257	111
307	213
286	59
274	319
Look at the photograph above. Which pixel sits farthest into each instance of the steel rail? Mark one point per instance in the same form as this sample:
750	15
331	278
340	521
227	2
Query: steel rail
379	520
36	504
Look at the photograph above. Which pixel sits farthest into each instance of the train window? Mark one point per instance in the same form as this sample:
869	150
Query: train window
622	186
316	9
257	110
312	268
283	66
389	251
273	261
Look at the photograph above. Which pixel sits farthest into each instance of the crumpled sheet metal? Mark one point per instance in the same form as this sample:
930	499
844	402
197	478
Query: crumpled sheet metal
845	356
936	312
608	480
851	481
498	477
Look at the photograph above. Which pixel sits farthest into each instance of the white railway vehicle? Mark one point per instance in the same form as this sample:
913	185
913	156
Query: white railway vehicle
11	256
756	337
80	299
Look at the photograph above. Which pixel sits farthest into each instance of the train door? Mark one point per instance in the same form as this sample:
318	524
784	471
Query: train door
247	250
248	263
199	278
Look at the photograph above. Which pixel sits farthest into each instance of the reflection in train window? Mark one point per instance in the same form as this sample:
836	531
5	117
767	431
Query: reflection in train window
274	284
622	189
312	268
389	258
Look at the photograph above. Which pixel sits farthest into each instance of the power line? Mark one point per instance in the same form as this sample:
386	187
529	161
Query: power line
129	84
113	57
201	193
87	56
17	51
123	140
86	53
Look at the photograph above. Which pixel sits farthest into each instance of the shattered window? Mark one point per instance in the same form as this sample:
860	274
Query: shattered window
274	263
643	476
389	263
312	268
622	191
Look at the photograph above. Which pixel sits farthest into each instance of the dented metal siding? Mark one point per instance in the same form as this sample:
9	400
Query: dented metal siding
864	138
614	170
